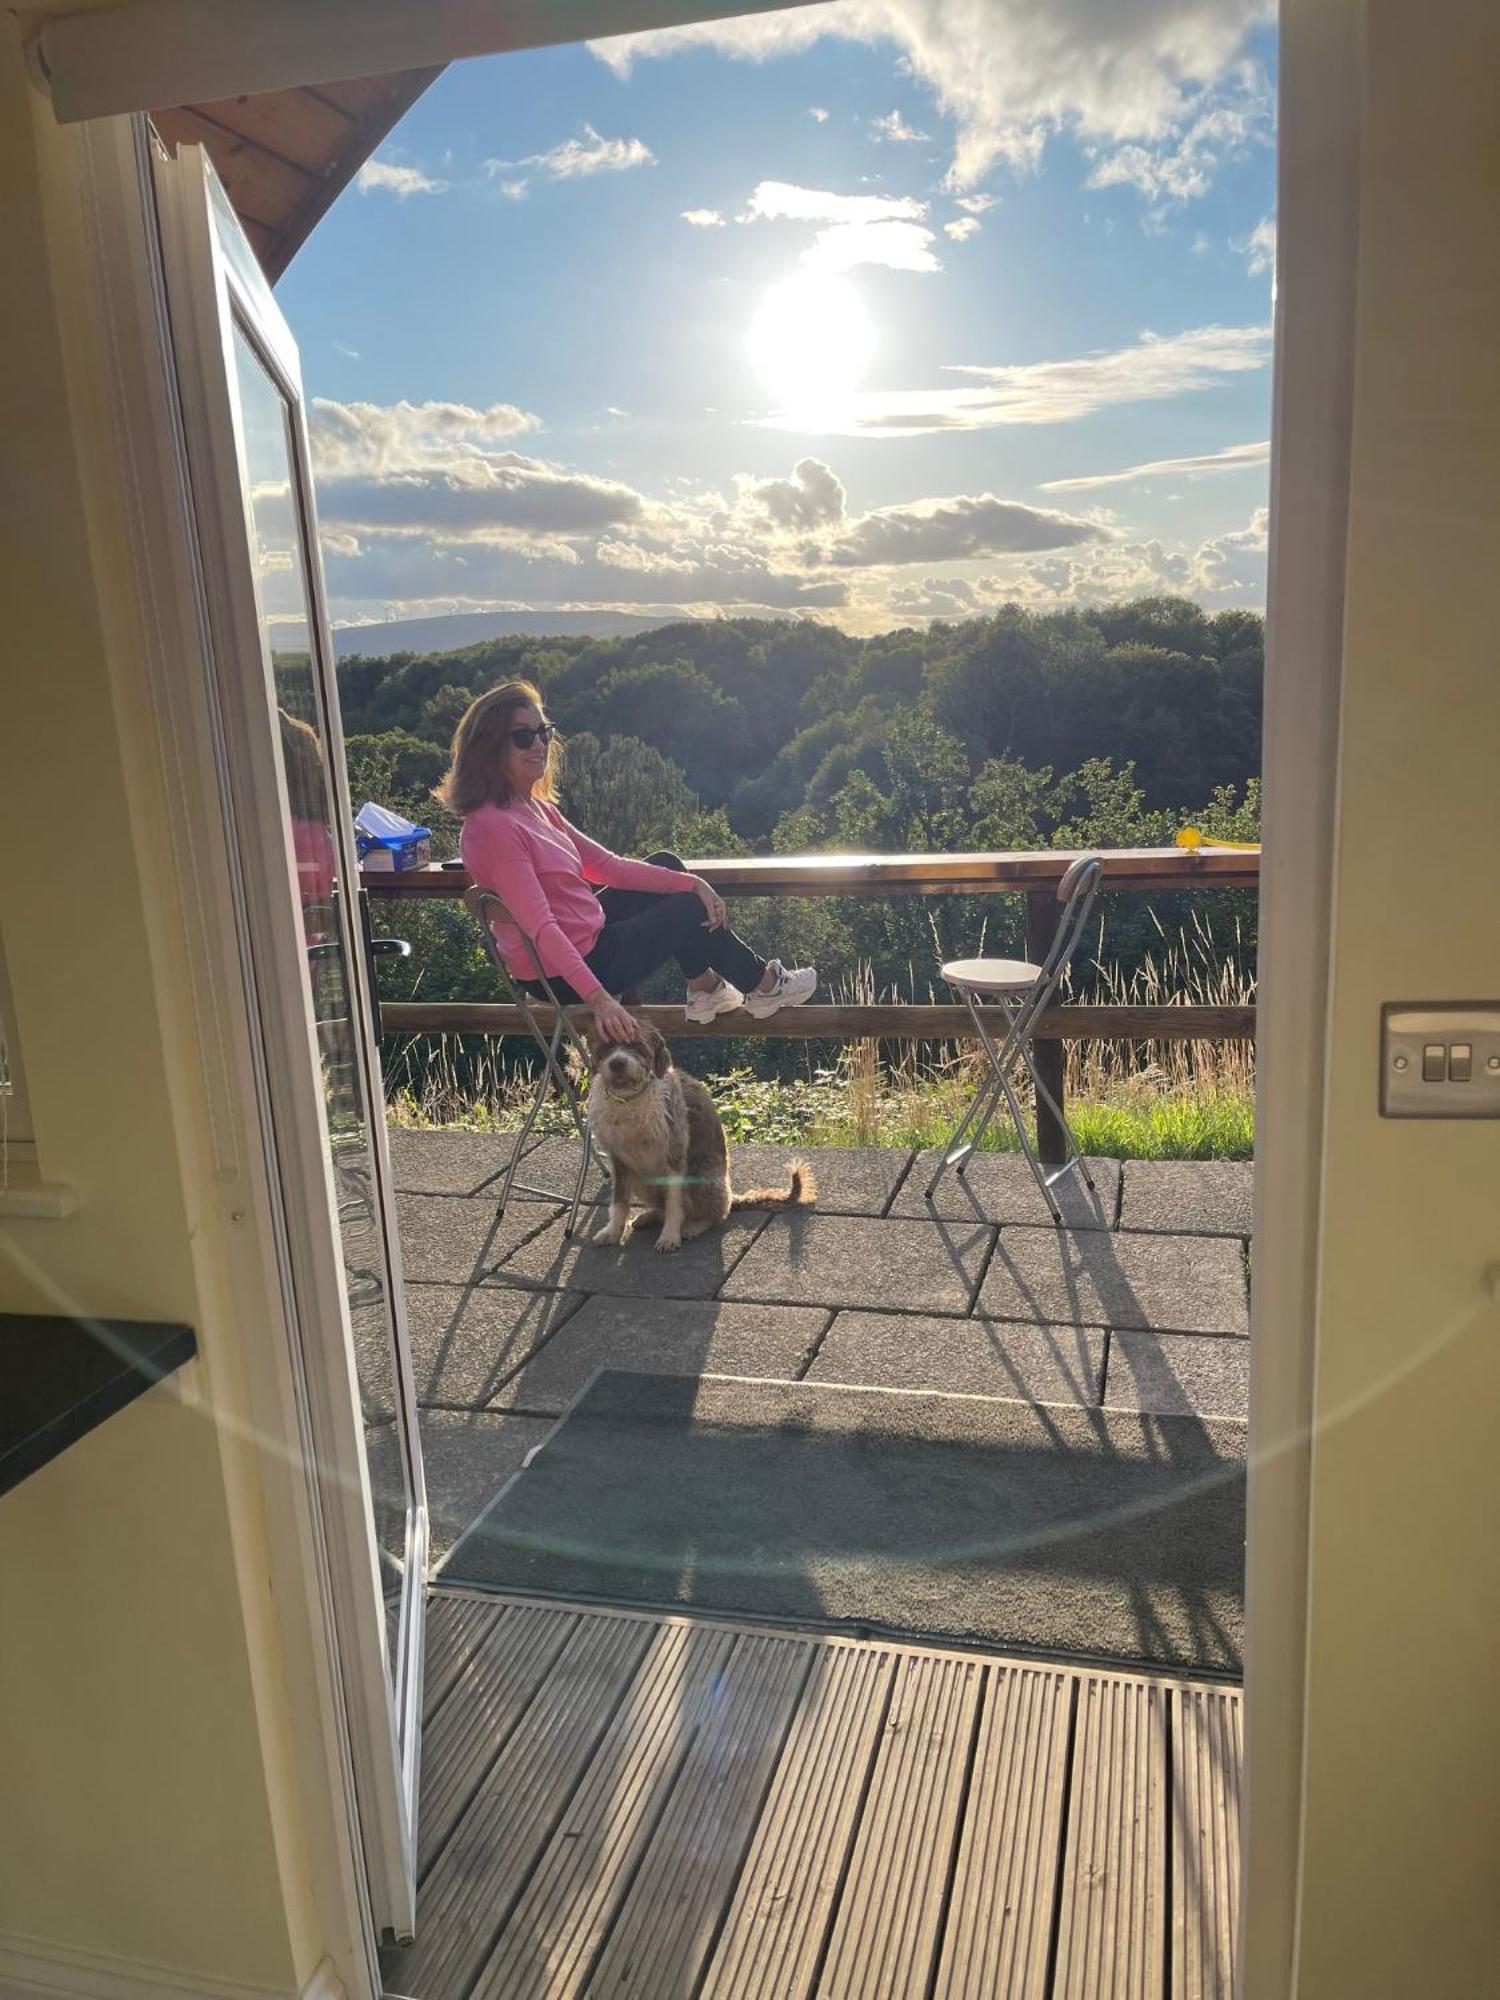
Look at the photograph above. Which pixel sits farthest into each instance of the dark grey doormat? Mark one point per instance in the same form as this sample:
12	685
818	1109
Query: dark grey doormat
1064	1530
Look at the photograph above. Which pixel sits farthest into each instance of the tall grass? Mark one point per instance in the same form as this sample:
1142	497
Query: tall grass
1188	1100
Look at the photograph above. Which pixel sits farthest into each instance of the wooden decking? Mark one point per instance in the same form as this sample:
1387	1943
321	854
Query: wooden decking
618	1803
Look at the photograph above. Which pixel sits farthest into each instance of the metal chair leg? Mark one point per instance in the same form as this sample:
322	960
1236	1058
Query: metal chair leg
1038	1171
1079	1159
583	1174
986	1101
956	1151
518	1150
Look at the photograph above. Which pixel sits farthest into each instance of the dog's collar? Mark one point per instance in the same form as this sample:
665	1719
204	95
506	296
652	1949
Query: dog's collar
626	1096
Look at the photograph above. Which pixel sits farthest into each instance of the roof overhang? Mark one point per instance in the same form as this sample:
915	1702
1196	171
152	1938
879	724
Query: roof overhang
143	55
284	156
290	97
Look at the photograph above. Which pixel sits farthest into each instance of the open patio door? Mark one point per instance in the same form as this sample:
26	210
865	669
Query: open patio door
307	957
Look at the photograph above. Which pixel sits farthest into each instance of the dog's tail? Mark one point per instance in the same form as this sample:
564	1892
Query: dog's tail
801	1191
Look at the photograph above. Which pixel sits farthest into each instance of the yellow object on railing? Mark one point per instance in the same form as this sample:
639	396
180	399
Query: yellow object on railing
1191	838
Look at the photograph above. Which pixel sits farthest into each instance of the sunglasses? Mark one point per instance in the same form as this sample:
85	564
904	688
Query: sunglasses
524	738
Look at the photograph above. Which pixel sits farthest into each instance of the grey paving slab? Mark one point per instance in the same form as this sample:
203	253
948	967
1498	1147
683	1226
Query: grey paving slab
468	1341
445	1162
1103	1532
852	1180
1179	1374
1189	1197
374	1361
999	1187
553	1166
666	1337
968	1357
1179	1284
446	1239
835	1260
467	1457
634	1269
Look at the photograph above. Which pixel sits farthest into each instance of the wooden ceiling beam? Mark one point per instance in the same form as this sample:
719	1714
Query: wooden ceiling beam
285	156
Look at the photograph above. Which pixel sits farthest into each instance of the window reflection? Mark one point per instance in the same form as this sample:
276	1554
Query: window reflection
327	933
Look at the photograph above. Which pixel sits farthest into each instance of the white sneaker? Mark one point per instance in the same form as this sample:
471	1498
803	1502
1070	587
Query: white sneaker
790	990
704	1004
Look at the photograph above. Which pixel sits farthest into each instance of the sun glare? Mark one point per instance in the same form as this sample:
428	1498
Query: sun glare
810	343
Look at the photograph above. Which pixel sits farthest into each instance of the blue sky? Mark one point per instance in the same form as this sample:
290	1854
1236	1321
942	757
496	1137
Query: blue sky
871	311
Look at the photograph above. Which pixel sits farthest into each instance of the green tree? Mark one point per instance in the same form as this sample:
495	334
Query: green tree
628	797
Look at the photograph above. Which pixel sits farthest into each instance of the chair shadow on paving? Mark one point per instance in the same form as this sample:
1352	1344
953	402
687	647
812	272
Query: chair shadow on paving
1020	1526
957	1236
909	1484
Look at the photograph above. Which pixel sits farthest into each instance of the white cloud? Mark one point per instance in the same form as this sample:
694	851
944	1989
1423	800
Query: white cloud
812	498
965	227
358	438
1225	569
1258	248
445	470
899	246
783	201
856	229
396	180
977	204
893	127
573	159
1010	73
817	114
1235	563
936	597
703	218
1157	368
507	499
698	573
1233	458
956	530
1183	168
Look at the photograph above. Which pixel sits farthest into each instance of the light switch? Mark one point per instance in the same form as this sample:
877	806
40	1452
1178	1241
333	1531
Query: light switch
1440	1059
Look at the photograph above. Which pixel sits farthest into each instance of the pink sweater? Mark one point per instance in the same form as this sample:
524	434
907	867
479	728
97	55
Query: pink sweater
541	868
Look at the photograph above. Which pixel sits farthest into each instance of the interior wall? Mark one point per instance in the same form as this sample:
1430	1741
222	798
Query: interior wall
145	1819
1401	1808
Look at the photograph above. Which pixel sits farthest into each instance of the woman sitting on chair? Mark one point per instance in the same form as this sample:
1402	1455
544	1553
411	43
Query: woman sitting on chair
502	782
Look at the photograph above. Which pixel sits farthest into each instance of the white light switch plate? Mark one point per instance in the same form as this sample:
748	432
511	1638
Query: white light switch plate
1413	1029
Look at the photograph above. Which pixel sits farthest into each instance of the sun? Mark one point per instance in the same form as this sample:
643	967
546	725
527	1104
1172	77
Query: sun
810	342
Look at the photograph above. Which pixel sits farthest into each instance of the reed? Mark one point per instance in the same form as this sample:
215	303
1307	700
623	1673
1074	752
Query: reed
1130	1100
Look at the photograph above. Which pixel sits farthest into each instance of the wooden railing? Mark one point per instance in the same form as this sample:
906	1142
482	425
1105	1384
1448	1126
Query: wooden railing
1034	876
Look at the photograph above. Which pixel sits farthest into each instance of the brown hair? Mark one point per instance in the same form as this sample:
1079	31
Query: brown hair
302	760
476	775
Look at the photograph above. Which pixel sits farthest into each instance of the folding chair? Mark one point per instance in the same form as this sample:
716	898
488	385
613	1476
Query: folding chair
489	909
1020	991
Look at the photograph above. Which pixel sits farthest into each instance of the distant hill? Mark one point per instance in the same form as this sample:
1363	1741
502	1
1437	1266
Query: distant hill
471	628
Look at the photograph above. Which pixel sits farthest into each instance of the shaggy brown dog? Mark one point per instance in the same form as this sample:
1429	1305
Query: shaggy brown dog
666	1146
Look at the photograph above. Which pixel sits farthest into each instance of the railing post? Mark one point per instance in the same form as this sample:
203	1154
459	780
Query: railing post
1049	1056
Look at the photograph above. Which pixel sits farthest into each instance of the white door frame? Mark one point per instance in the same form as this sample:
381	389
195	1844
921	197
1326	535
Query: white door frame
323	1830
222	288
1320	133
1319	153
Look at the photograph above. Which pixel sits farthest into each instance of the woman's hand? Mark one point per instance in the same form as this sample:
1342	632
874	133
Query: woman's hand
711	900
613	1022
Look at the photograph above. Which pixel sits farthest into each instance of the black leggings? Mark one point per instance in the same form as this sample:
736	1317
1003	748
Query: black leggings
642	930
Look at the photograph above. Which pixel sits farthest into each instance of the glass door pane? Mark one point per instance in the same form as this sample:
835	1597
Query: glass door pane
310	988
331	933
